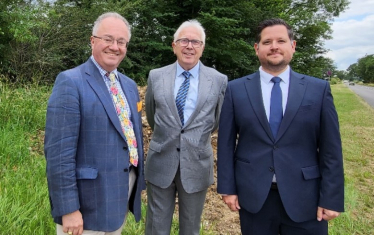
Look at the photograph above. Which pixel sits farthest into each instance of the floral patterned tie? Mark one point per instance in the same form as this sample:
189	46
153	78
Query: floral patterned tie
123	115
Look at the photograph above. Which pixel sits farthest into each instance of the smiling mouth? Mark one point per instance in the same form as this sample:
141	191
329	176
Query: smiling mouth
111	54
188	54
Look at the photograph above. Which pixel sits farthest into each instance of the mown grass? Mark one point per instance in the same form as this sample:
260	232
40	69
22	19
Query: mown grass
24	206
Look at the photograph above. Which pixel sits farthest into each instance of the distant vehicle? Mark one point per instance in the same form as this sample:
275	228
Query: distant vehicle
351	83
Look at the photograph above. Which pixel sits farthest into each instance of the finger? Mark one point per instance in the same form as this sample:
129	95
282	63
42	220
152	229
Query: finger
237	205
319	213
80	232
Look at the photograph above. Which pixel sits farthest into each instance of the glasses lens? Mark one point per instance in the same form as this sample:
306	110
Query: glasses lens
184	42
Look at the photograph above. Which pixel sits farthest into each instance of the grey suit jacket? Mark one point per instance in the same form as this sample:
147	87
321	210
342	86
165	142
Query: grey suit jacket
187	147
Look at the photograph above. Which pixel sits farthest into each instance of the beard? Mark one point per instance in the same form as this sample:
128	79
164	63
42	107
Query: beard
275	66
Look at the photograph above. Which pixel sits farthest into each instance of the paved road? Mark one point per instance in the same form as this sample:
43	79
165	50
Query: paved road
366	93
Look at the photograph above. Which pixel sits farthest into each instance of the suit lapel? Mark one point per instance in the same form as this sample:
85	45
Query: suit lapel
132	98
168	80
205	86
295	96
254	92
95	80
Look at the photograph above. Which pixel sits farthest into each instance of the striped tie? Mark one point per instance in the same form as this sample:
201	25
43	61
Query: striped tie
180	100
123	115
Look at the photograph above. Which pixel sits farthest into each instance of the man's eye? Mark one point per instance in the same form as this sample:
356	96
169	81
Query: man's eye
266	42
185	40
121	43
108	40
195	42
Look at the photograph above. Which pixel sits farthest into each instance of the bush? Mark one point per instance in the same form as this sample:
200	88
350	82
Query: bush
334	81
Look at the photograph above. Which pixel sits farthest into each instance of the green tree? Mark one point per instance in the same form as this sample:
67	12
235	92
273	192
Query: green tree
341	74
352	72
41	38
365	68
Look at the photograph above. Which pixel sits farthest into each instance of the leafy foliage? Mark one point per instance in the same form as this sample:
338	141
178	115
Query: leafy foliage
41	38
365	68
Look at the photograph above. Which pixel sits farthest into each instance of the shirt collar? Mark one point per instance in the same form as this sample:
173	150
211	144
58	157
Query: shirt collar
102	71
266	77
194	71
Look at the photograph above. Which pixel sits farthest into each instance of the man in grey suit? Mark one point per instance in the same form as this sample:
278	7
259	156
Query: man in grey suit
183	103
93	138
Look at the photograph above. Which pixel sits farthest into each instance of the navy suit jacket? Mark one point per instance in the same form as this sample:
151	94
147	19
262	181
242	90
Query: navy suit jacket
86	150
306	154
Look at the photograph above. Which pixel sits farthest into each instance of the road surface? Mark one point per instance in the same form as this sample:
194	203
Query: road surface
365	92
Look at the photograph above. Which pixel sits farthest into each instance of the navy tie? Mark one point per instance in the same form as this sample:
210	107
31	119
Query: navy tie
180	100
276	109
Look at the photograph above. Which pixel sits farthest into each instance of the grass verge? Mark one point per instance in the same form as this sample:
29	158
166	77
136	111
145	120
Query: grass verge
24	206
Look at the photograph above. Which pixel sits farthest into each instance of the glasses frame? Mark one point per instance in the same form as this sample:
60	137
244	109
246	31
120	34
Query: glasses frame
112	41
190	41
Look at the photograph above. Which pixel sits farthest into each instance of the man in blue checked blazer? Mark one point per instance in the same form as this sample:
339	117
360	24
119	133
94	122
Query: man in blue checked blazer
280	160
91	182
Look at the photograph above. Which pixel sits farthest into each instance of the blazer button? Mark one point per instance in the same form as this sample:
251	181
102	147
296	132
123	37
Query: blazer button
178	149
124	148
182	131
275	147
271	169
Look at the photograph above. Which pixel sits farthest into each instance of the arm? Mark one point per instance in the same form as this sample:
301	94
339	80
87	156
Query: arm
330	160
60	146
221	97
226	146
150	102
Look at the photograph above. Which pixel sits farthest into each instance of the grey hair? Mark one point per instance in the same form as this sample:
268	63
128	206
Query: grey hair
191	23
108	15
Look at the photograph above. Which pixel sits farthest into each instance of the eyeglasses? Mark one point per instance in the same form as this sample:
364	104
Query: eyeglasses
110	41
184	42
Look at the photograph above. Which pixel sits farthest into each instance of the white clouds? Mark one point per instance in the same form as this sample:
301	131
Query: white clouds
357	8
353	34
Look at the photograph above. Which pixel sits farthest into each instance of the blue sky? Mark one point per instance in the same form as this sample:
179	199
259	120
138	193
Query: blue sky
353	34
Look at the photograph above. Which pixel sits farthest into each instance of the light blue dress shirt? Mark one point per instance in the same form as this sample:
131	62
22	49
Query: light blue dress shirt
267	86
192	94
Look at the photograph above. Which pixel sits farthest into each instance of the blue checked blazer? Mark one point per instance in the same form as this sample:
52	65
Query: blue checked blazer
86	150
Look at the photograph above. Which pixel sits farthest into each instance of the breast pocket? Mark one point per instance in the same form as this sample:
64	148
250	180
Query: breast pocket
306	108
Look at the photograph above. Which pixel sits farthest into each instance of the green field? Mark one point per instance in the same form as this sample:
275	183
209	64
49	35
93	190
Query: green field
24	206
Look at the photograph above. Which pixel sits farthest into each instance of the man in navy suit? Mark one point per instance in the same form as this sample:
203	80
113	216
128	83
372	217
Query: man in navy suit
93	138
281	168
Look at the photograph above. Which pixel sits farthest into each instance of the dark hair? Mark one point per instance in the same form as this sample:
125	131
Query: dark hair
271	22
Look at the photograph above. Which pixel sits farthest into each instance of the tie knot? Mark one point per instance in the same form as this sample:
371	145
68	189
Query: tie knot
112	77
276	79
186	74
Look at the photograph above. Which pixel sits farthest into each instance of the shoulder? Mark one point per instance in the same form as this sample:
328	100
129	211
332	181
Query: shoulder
163	69
310	79
78	71
241	80
211	71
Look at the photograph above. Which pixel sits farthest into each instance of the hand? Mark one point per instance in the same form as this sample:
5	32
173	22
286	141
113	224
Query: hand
73	222
231	201
326	214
